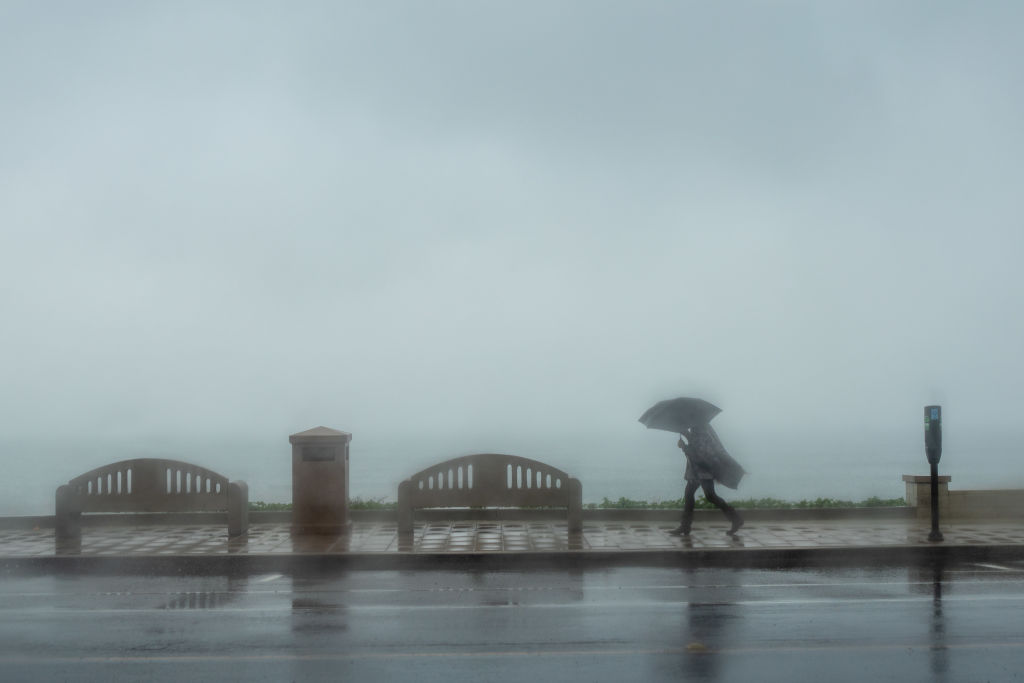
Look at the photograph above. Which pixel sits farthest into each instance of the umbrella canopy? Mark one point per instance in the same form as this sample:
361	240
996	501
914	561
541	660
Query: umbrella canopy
679	414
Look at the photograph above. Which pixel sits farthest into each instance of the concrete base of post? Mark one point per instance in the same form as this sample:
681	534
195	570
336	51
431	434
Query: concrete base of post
919	494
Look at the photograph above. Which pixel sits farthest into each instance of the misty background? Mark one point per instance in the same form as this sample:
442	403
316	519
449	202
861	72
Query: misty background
455	227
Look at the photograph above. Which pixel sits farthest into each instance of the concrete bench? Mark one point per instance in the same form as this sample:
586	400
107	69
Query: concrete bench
150	485
490	480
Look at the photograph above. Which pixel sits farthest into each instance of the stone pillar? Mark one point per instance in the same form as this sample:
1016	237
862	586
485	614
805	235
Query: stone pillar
320	481
919	494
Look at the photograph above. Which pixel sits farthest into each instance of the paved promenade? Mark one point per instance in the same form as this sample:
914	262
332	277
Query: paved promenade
377	544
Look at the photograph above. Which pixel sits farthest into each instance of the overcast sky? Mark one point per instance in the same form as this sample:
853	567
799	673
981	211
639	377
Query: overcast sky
258	217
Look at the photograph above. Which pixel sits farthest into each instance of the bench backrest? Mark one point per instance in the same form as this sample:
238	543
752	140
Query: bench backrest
487	480
149	485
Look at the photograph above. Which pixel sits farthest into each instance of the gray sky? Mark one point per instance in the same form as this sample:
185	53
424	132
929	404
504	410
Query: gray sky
499	217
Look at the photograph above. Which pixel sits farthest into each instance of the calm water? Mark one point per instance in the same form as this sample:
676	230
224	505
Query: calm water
641	465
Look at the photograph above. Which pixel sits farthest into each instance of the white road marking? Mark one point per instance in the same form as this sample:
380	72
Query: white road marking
995	566
569	588
925	646
88	612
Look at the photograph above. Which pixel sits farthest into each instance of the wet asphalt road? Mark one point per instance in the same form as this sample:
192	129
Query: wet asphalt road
962	623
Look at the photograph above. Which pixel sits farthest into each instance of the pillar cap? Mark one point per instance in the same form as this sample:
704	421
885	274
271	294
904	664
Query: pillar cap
925	478
320	434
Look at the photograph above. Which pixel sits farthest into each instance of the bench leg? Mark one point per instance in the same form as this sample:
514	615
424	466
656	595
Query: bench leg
68	518
575	506
238	508
404	508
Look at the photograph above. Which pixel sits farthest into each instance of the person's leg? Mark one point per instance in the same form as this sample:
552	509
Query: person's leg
730	512
688	503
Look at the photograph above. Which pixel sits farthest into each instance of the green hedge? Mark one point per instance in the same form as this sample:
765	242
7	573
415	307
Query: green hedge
629	504
702	503
353	504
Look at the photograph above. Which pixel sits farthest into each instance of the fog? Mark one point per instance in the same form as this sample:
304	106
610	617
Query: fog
452	227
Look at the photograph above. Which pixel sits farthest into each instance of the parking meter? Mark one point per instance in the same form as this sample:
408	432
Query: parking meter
933	449
933	433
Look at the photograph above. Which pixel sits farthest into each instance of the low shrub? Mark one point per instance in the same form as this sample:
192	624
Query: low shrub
701	503
353	504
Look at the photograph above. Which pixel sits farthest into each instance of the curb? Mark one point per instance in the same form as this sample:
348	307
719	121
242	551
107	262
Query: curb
300	564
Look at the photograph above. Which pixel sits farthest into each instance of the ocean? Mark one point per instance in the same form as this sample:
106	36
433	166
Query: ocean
642	465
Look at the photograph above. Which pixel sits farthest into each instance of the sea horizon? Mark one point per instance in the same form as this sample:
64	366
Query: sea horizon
642	466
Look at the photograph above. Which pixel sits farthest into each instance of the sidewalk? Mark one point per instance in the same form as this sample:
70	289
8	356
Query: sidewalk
377	544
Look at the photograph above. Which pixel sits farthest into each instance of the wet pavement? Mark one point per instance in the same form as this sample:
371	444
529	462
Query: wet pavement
482	537
939	622
783	600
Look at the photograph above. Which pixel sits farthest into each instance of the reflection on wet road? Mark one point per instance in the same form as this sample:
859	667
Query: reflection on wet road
932	623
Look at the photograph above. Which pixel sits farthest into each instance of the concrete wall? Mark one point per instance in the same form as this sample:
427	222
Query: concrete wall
963	505
999	503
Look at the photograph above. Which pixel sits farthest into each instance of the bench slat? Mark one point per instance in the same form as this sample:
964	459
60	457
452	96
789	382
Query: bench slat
488	480
150	485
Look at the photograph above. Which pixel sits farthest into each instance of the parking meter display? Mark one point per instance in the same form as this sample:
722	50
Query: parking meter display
933	433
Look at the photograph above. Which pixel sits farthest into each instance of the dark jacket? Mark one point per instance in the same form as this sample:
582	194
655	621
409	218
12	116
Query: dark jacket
706	458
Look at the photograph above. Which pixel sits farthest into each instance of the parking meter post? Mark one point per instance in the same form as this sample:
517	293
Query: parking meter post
935	534
933	449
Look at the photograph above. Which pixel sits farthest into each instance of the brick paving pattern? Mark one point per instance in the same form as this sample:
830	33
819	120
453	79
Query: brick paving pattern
488	536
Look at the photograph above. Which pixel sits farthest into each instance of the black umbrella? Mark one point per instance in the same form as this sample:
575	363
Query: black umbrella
679	414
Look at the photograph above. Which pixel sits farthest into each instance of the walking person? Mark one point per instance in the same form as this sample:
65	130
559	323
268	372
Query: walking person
702	453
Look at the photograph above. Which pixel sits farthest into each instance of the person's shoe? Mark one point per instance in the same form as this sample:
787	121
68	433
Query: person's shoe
737	522
679	531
